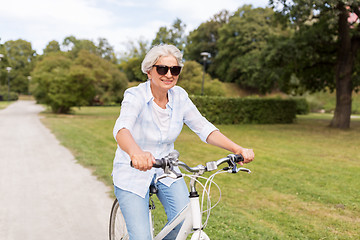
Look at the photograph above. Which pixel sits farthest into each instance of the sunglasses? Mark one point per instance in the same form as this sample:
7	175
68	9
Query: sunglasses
163	70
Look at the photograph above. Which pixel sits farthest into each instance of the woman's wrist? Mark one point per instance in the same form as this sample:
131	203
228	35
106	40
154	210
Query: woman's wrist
238	149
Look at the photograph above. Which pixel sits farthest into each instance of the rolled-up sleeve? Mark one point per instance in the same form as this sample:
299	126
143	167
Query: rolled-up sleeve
130	109
196	122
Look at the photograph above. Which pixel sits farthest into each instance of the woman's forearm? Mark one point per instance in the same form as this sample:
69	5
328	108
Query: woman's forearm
126	142
140	160
218	139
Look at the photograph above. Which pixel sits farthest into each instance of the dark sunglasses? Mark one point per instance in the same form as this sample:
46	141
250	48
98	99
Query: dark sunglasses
163	70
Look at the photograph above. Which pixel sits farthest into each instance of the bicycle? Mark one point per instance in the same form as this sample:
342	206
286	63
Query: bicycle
191	215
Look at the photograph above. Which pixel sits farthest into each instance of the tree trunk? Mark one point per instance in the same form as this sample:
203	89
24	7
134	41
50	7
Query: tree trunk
344	68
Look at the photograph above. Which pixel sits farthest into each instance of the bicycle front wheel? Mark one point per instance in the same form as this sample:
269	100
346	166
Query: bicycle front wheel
117	226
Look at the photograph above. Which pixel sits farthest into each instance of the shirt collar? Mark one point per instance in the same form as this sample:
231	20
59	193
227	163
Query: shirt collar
149	97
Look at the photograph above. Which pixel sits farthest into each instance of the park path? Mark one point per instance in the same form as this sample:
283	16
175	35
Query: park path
44	193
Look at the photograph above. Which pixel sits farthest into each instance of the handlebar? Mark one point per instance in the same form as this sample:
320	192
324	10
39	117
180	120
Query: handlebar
172	159
167	164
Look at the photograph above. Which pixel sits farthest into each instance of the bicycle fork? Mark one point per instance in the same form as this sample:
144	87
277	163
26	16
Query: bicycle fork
193	222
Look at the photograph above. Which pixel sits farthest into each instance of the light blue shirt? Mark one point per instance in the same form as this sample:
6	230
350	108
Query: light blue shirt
136	116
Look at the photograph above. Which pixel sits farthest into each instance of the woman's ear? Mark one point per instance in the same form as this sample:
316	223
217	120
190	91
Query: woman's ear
149	74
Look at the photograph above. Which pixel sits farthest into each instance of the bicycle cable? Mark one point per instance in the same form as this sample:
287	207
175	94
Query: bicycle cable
206	191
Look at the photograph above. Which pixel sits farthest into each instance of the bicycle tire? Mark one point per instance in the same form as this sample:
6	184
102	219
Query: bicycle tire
117	226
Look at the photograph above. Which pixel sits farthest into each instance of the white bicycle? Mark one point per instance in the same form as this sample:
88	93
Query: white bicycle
191	215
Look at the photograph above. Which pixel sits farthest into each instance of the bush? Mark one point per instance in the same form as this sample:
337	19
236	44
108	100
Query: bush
63	83
13	96
220	110
302	106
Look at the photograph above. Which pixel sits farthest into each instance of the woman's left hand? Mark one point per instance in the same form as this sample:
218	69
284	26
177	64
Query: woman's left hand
247	153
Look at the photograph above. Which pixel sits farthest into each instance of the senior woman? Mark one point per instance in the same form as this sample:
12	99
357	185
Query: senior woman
151	118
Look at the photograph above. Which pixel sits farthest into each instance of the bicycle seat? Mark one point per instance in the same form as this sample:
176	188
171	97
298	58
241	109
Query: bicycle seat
153	189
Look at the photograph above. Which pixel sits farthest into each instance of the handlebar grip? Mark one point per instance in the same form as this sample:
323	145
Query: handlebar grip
239	158
158	163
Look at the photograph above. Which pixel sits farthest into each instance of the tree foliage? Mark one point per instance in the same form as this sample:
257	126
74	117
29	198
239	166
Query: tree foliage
325	48
52	47
102	49
109	82
174	35
204	39
191	80
62	83
130	63
241	42
20	56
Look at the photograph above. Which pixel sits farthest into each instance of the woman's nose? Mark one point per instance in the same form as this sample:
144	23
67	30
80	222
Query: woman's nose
168	74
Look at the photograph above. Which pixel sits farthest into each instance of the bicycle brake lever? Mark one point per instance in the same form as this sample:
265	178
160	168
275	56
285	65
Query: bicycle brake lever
170	174
243	170
235	169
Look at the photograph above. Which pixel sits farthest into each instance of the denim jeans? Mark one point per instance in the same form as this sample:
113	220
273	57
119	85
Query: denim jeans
136	209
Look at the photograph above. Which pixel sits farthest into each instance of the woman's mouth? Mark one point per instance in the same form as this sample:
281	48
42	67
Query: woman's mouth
167	81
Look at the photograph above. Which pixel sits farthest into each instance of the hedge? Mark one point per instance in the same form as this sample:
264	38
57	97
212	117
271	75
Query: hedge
302	106
220	110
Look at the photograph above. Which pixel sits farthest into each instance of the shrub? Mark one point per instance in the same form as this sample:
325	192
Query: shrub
222	110
63	83
13	96
302	106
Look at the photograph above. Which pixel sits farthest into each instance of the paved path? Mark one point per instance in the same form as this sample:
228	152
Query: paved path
44	193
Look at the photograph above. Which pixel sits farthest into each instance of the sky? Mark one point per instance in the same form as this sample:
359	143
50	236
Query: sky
118	21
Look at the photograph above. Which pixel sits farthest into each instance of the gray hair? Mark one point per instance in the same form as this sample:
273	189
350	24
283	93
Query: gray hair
158	51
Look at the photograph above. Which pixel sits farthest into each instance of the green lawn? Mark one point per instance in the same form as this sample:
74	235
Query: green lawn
4	104
305	182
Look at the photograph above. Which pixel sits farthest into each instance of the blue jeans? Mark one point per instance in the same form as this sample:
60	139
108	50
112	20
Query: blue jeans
136	209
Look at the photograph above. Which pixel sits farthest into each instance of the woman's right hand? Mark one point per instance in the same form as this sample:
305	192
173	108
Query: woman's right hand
142	160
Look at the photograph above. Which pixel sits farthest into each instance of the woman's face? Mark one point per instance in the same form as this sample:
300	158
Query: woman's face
167	81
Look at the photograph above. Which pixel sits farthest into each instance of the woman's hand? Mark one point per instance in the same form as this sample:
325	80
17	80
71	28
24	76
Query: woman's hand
247	153
142	160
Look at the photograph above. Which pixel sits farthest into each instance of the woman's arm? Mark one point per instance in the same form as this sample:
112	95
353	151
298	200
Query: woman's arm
218	139
141	160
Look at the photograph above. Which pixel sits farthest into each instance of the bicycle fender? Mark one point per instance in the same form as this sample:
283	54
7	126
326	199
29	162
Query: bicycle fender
199	235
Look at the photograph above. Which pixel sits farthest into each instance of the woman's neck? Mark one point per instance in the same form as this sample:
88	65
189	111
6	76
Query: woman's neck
160	97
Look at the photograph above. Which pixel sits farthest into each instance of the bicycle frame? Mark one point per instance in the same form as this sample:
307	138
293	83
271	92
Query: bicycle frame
191	216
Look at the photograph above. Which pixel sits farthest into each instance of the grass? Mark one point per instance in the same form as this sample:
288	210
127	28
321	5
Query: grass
305	181
4	104
326	101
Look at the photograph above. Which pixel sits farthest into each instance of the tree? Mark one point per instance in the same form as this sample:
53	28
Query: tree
105	50
241	42
52	47
191	80
108	81
325	49
20	57
204	39
3	64
132	69
130	61
62	83
75	45
102	49
175	35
